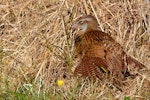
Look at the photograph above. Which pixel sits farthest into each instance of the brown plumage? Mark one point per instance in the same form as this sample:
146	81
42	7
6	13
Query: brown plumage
98	52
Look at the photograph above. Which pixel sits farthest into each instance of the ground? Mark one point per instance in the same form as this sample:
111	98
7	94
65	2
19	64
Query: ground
37	48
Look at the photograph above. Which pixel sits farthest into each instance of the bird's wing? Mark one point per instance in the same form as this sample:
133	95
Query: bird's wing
103	46
92	67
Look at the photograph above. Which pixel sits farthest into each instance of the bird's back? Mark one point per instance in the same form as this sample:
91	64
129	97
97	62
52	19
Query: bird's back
101	45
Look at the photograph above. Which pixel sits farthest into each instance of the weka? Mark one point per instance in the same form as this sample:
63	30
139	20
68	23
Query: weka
99	53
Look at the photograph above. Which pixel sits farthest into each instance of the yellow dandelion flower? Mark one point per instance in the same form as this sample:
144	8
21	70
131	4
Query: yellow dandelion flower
60	82
6	61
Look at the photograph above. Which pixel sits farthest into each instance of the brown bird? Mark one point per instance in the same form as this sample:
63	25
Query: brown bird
100	55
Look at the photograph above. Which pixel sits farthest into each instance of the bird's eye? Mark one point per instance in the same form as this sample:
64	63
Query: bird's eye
80	22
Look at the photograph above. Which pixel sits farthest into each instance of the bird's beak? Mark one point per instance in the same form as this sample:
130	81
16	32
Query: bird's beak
74	27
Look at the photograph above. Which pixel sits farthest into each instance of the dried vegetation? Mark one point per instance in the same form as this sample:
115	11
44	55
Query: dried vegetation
36	47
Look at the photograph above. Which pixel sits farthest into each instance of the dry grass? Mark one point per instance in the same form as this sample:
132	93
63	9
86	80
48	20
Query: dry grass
37	47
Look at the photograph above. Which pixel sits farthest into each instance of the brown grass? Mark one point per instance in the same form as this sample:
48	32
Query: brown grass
36	47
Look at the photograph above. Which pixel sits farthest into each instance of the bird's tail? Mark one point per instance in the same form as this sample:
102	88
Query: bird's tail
130	60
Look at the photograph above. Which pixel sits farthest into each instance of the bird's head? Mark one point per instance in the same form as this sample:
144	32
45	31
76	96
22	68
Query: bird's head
85	24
